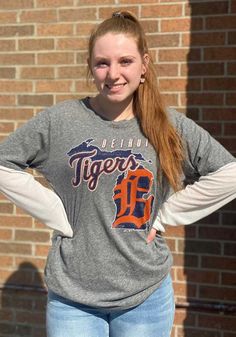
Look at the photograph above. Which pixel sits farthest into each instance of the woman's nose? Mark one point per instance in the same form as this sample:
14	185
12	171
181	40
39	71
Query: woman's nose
113	72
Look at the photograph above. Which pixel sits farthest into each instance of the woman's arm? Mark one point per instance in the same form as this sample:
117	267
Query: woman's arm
24	191
197	200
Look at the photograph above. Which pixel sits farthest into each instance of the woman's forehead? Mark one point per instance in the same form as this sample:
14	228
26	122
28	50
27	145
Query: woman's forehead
112	43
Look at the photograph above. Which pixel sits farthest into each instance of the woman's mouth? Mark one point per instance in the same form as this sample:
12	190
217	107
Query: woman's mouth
115	87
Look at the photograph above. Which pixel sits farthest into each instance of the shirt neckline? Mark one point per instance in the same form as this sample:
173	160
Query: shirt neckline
113	124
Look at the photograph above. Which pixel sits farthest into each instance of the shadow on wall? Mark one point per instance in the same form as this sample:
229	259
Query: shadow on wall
210	246
23	303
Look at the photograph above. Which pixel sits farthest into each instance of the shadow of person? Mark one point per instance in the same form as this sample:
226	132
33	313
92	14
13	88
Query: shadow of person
23	303
209	247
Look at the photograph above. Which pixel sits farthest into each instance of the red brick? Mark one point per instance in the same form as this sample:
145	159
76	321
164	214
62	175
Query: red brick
163	40
55	29
231	68
128	2
214	233
181	25
35	100
213	128
230	129
217	293
228	218
81	58
220	53
219	114
30	317
221	22
60	98
72	43
204	68
232	37
53	86
202	99
6	208
54	3
204	39
231	206
37	72
6	31
230	248
7	100
16	4
217	322
84	28
185	290
16	114
36	16
6	127
197	275
36	44
170	99
72	72
190	332
17	59
186	260
184	317
149	26
7	328
161	11
199	247
15	86
180	231
106	12
15	248
19	221
228	143
178	55
81	86
56	58
32	236
219	83
7	72
6	315
216	262
5	234
38	263
206	8
166	70
8	17
7	45
42	250
233	7
6	261
228	279
179	84
80	14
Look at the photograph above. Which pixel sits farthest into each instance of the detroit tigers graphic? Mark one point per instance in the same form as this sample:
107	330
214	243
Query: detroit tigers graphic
131	195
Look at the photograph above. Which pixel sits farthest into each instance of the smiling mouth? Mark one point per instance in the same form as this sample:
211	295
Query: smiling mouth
115	86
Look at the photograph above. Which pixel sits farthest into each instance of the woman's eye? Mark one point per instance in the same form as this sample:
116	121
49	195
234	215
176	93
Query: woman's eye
126	61
101	64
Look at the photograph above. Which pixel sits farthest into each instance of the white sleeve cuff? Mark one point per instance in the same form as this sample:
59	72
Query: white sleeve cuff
42	203
199	199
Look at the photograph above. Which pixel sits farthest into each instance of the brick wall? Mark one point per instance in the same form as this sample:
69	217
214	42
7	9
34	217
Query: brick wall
43	61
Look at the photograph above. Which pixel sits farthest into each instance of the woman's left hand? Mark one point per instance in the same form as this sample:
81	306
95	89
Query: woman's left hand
151	236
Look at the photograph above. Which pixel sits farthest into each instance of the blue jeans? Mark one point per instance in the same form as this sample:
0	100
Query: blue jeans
152	318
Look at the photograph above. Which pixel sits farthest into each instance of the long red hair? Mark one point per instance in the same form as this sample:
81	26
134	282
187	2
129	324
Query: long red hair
147	102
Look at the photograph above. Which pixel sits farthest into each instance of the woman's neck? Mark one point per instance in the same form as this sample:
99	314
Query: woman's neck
112	110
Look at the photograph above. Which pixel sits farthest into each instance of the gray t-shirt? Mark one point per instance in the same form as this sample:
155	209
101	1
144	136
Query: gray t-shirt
106	174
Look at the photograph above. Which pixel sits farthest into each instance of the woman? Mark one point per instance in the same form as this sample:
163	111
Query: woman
117	164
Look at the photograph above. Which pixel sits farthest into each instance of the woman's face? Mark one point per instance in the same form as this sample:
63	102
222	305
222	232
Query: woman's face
117	66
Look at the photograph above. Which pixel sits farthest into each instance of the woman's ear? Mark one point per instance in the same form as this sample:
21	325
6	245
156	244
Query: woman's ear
146	59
